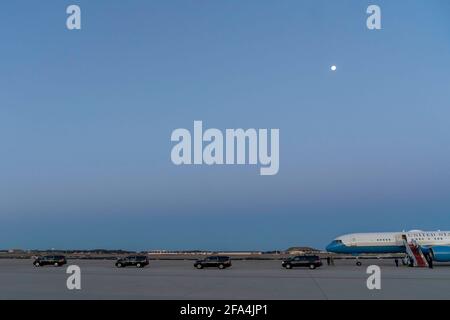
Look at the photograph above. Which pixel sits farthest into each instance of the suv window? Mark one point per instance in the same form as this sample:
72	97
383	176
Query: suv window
211	259
313	258
224	259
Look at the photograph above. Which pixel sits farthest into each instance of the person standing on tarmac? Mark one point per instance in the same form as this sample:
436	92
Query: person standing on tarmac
429	260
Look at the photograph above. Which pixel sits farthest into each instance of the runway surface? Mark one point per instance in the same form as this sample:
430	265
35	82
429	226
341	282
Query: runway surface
245	280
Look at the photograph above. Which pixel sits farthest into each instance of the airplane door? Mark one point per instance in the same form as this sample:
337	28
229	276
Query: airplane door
353	242
399	239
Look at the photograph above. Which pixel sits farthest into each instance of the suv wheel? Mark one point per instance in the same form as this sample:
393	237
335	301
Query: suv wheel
56	264
139	265
288	266
119	265
312	267
199	266
221	266
37	264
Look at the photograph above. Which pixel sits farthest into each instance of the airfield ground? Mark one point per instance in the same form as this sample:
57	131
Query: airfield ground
245	280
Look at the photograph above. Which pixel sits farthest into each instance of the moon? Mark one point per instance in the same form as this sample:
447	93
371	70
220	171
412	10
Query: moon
333	68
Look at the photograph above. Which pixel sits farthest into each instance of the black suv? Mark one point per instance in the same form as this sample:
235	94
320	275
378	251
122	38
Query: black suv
56	261
311	262
220	262
135	261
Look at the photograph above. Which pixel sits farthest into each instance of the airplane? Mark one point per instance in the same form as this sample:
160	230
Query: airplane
421	247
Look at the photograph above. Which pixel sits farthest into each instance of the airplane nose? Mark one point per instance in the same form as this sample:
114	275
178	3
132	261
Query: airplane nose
333	247
329	247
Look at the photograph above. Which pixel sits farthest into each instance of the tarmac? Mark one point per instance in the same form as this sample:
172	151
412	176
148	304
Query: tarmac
256	280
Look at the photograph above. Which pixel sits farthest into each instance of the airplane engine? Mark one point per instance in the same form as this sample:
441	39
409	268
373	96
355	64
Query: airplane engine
440	254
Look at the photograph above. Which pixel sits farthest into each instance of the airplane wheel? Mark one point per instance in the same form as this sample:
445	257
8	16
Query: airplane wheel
359	264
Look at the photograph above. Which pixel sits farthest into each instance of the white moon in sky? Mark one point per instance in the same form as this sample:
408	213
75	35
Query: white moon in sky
333	68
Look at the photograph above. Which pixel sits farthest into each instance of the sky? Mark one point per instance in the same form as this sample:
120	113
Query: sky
86	118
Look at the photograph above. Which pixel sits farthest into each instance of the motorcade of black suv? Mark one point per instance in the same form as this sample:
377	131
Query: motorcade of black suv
56	261
311	262
220	262
133	261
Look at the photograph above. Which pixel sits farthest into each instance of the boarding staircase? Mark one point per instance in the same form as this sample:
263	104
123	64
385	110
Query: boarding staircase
415	254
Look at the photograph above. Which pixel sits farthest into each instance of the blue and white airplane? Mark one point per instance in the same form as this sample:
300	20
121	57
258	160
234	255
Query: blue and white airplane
419	245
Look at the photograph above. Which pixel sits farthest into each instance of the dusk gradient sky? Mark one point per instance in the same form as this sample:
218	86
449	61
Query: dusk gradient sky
86	118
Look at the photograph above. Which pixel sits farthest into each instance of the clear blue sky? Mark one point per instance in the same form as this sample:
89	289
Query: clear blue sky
86	118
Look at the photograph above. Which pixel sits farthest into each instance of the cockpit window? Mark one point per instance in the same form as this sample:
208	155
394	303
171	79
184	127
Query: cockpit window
337	242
